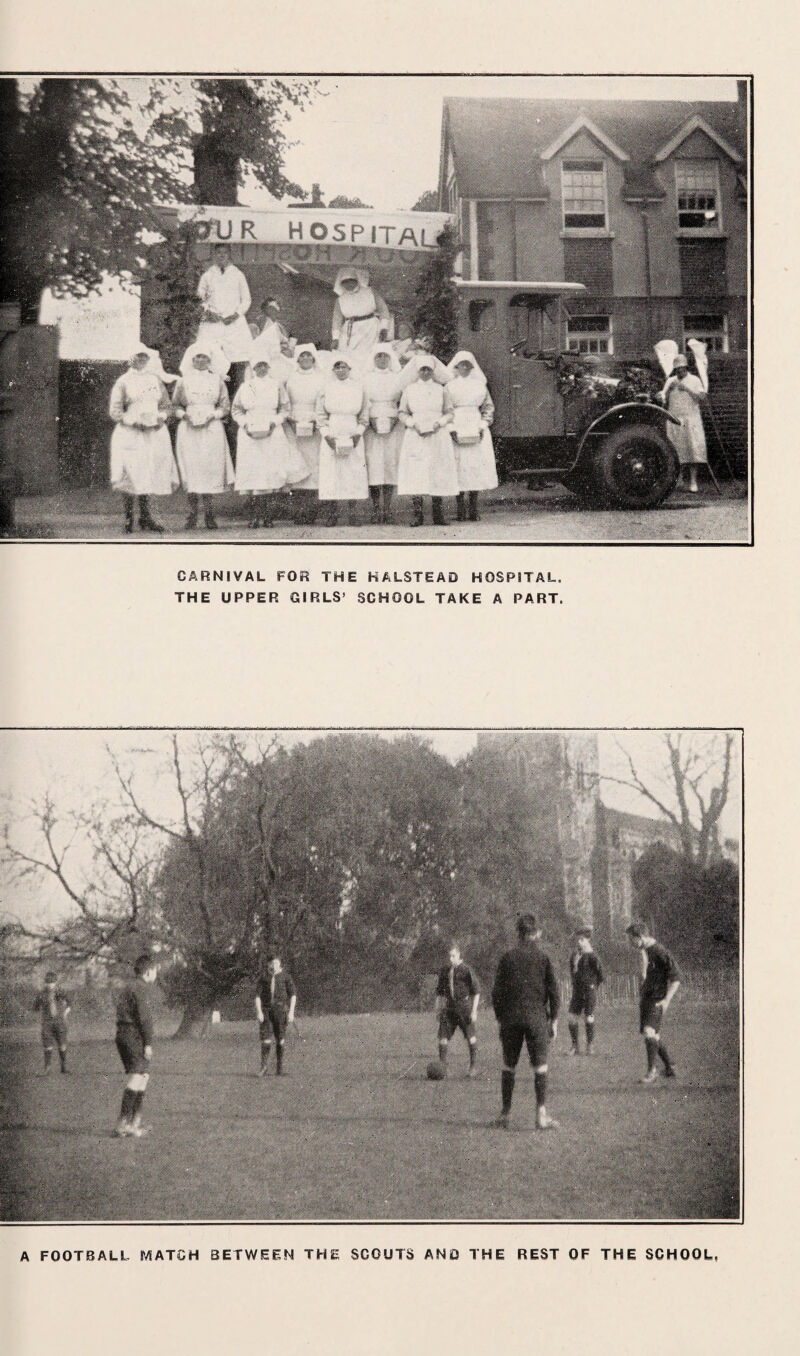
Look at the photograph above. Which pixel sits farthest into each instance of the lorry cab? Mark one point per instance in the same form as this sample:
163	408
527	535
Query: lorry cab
590	422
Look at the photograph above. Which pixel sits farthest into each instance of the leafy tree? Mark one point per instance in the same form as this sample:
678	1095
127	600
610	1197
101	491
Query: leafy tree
86	161
696	910
427	201
436	313
342	202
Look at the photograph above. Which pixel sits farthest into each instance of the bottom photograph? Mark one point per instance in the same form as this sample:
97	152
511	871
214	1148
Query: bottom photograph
414	975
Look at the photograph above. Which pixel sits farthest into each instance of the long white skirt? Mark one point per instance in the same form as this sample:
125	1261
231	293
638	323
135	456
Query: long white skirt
142	461
264	464
204	458
308	449
383	454
343	477
477	469
427	464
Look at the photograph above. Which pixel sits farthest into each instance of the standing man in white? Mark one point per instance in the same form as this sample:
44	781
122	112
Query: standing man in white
226	300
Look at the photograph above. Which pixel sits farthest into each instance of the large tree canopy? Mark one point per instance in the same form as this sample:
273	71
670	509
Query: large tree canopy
86	161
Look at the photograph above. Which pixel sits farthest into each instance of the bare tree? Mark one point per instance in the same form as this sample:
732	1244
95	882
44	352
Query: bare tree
691	788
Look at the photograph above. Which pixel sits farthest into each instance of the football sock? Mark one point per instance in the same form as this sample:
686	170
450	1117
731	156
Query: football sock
651	1047
62	1055
662	1050
266	1046
507	1078
128	1105
589	1032
48	1055
573	1032
279	1055
442	1052
473	1053
540	1084
138	1098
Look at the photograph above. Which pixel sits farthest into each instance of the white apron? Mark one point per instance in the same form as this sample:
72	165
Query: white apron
141	460
427	464
304	389
342	474
201	444
226	293
382	448
689	437
359	326
263	464
475	460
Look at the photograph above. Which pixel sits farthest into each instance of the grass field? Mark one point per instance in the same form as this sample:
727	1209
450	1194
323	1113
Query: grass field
356	1132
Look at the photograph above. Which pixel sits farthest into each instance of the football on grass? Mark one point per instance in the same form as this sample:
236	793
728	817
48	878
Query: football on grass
435	1070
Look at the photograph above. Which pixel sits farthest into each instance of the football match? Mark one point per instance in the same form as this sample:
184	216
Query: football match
385	975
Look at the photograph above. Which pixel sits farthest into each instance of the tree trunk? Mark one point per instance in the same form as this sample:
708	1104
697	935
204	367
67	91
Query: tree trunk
195	1023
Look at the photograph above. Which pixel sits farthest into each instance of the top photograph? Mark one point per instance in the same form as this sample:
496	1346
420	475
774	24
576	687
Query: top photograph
439	309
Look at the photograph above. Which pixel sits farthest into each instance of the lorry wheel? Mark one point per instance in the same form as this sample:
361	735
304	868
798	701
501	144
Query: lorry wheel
635	467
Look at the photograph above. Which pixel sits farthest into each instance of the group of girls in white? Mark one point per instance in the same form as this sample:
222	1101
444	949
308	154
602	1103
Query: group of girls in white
330	430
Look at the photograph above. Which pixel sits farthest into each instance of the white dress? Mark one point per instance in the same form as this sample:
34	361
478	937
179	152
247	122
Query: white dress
689	437
472	407
383	449
141	460
225	292
201	444
358	318
427	464
342	414
263	464
304	389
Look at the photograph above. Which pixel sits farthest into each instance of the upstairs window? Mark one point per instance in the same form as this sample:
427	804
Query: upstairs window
697	183
590	334
712	330
583	195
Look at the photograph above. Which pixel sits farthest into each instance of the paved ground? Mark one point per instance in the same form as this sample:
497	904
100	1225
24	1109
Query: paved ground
510	515
355	1131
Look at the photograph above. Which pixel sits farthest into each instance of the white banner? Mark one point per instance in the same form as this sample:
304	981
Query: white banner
412	231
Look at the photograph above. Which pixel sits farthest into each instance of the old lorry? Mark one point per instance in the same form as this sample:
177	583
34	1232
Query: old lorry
586	420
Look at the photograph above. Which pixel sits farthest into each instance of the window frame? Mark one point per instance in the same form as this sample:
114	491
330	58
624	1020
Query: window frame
704	334
566	229
608	335
715	228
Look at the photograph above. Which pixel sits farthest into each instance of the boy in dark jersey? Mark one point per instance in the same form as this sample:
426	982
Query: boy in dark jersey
54	1007
586	974
135	1045
276	998
660	981
457	998
525	1000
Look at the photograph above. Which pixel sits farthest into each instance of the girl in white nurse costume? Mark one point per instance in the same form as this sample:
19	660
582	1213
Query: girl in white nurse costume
342	416
304	386
361	317
265	459
427	457
141	449
201	403
383	385
473	412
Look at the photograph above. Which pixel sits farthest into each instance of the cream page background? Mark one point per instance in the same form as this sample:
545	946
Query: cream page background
646	636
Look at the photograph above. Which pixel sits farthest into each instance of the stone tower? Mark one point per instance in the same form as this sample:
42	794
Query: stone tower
561	770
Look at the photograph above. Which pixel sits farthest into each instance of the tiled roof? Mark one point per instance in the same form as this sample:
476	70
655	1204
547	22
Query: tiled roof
497	142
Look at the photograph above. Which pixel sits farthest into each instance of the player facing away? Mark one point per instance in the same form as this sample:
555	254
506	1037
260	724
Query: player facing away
525	1001
135	1045
276	998
586	974
457	999
53	1005
659	984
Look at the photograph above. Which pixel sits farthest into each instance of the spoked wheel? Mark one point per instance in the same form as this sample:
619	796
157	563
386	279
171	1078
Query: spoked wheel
636	467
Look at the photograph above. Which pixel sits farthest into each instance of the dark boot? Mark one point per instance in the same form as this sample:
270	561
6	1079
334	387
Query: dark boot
474	516
146	520
331	515
375	496
267	503
209	519
255	506
418	504
191	520
353	516
438	511
128	501
461	507
386	512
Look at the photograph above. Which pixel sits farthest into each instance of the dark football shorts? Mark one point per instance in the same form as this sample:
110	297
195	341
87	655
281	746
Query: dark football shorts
131	1050
274	1023
534	1034
451	1020
54	1033
650	1014
584	1002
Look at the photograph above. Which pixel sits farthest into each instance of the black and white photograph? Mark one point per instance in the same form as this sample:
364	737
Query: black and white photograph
371	975
376	308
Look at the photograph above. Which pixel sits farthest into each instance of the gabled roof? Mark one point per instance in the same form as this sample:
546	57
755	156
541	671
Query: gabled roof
696	123
583	124
498	143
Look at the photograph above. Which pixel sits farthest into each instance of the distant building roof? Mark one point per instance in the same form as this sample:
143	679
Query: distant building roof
644	824
498	143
